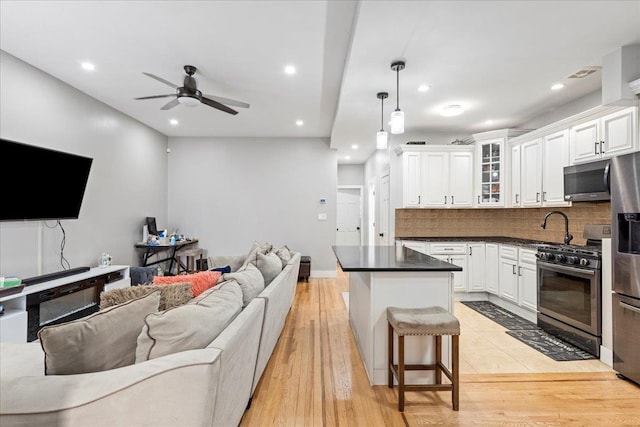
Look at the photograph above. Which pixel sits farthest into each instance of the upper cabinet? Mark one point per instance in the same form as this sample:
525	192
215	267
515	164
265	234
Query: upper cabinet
604	137
437	176
492	189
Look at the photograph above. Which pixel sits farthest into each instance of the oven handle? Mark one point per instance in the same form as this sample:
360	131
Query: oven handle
629	307
563	268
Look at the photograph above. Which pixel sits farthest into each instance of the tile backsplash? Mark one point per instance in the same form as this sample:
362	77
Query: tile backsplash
520	223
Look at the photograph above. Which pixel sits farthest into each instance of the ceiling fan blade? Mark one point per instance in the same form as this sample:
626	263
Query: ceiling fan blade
228	101
160	79
156	96
170	104
219	106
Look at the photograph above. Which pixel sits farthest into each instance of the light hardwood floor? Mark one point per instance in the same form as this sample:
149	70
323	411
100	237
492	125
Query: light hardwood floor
315	378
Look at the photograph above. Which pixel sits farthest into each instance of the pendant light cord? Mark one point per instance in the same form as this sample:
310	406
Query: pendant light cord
382	115
398	88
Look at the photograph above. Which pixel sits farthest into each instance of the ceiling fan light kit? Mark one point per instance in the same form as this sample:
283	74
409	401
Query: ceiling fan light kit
397	116
189	95
381	136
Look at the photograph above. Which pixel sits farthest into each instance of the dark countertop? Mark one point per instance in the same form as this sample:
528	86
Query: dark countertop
531	244
384	258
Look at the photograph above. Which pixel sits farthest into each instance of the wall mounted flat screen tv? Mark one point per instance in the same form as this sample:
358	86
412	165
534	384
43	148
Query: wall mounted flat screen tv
40	184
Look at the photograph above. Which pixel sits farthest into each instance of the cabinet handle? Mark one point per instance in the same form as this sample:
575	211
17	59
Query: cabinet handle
478	199
537	197
601	147
596	149
469	250
448	249
519	271
517	198
544	196
514	268
418	199
452	199
445	200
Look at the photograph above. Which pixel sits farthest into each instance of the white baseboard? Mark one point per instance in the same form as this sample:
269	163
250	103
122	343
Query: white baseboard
324	273
606	356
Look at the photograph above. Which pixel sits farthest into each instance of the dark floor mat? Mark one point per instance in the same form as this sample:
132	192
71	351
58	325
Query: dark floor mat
551	346
500	315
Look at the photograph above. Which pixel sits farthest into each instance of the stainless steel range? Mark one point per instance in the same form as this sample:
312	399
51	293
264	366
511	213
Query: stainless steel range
570	292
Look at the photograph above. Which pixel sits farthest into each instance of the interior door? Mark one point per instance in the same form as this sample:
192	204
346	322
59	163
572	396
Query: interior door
348	219
384	210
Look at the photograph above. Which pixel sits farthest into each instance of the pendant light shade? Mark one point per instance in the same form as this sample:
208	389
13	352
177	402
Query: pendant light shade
397	117
382	137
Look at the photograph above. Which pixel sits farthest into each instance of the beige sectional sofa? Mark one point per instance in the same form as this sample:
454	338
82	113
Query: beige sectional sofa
210	386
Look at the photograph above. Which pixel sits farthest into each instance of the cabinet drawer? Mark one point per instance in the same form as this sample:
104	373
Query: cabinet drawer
448	248
510	252
527	256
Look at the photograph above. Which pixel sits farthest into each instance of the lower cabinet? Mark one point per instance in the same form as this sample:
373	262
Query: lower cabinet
418	246
518	282
456	254
492	268
476	268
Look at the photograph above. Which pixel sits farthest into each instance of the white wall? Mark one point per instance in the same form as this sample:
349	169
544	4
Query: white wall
350	174
584	103
128	179
233	191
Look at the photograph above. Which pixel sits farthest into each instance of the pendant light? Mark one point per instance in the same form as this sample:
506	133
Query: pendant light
381	137
397	117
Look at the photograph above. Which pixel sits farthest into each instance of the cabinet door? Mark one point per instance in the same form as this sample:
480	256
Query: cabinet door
515	176
528	286
461	179
416	246
585	142
490	159
459	277
618	134
508	280
476	267
556	157
492	268
412	181
435	179
531	177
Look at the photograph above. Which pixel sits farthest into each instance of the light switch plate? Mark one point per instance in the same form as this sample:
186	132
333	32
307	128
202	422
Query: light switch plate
322	216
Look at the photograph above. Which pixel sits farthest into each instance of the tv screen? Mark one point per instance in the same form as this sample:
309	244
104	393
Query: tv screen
39	184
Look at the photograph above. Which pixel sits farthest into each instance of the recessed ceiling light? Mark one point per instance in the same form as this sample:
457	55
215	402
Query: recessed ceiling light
173	122
452	110
488	122
557	86
88	66
347	157
290	69
354	146
299	122
423	88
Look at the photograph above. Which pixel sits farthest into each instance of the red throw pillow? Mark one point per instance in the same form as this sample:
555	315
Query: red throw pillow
200	281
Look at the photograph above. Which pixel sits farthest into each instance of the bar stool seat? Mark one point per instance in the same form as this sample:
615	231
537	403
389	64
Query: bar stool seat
436	321
190	256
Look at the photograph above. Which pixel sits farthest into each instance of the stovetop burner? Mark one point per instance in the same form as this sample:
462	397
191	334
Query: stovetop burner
582	256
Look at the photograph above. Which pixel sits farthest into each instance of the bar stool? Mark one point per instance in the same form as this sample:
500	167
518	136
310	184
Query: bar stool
190	257
435	321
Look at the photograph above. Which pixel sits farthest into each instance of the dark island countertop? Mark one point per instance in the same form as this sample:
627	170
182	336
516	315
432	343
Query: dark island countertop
385	258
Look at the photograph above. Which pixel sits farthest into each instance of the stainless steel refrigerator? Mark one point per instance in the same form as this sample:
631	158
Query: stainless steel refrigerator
625	248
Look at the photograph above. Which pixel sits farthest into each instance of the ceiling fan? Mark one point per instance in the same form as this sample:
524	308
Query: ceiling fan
190	96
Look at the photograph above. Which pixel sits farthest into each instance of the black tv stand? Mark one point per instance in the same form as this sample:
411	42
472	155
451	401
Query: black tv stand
53	276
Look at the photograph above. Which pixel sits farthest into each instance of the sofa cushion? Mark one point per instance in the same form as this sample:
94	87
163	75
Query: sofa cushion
250	280
284	253
191	326
269	265
99	342
170	295
200	281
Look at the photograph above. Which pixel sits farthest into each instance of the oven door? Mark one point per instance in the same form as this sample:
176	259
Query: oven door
570	295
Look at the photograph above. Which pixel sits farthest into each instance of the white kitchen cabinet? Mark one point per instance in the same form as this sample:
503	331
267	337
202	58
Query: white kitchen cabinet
556	157
531	173
476	265
454	253
604	137
516	196
437	176
492	268
416	245
527	279
509	273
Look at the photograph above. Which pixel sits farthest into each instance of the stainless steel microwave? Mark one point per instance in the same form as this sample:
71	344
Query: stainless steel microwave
588	182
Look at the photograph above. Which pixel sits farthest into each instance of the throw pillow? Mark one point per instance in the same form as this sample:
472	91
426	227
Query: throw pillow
269	265
200	281
99	342
250	280
284	253
256	248
171	296
191	326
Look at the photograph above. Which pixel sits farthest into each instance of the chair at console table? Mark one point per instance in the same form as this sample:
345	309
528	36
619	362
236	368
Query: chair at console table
151	250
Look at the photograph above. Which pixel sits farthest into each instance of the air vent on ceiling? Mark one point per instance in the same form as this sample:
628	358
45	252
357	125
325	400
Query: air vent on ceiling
584	72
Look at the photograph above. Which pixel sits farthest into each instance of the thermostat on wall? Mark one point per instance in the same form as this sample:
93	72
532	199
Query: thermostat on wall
323	201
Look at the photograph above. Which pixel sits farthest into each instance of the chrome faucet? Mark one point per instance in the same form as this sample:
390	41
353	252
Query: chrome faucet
567	236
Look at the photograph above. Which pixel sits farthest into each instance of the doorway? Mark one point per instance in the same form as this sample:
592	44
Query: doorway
385	196
349	215
371	219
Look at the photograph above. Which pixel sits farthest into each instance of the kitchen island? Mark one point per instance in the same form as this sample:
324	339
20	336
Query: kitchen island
383	276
